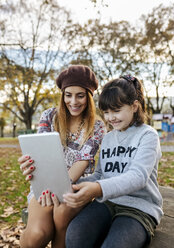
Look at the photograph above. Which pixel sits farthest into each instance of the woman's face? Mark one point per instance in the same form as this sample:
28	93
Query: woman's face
75	98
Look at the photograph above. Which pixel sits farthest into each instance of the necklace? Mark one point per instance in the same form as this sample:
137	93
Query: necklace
74	136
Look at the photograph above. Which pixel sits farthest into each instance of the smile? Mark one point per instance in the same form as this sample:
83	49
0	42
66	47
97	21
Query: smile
115	122
76	108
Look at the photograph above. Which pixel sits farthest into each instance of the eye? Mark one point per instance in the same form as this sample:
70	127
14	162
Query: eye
105	112
67	95
81	96
116	110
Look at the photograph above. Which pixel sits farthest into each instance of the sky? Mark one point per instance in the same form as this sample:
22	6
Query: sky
117	10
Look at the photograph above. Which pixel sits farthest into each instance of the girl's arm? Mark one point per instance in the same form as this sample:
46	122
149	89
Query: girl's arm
86	190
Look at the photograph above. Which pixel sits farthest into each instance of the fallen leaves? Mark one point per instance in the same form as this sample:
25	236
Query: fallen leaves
9	236
8	211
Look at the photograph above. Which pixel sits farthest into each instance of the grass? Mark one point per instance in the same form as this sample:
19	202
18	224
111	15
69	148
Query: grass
171	143
9	141
166	170
14	188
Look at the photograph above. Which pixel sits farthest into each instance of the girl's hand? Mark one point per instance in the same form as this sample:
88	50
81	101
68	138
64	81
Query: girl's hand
26	166
86	192
47	199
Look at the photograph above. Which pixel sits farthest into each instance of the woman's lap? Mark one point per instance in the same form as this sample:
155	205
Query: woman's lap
40	228
93	225
39	217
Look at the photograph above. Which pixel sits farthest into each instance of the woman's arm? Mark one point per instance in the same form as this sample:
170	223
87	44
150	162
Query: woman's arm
77	170
87	153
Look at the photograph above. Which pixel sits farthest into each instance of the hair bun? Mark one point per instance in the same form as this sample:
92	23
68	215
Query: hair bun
129	78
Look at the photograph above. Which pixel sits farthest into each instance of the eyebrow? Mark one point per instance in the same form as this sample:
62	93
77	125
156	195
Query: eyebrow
76	93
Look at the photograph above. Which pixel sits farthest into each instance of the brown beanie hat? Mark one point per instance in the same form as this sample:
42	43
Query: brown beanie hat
78	75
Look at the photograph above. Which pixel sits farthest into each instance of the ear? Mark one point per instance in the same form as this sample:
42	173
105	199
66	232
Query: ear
135	106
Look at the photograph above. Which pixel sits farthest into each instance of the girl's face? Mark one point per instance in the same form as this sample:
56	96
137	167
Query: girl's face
120	119
75	98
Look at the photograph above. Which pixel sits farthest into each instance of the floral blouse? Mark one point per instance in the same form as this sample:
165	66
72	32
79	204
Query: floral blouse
73	151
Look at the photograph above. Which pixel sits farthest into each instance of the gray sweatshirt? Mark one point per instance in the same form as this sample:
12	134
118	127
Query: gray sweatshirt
127	169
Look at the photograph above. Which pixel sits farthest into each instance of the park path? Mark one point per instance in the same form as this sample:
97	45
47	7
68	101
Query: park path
167	148
9	146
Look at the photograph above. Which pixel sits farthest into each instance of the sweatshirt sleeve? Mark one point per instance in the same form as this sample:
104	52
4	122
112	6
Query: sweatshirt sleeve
141	167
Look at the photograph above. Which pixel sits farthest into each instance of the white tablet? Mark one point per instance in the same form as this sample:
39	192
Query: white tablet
50	168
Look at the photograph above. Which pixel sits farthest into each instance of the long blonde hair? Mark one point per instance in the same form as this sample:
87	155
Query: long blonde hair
62	116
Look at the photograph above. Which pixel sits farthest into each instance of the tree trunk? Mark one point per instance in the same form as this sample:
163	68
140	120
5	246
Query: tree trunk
2	132
28	122
14	130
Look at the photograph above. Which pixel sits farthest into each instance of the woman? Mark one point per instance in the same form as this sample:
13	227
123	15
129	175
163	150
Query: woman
81	134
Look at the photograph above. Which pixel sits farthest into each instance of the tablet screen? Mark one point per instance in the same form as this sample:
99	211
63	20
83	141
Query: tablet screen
50	168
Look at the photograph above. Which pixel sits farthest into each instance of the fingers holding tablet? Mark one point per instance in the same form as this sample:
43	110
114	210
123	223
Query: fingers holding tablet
26	166
42	199
55	200
47	199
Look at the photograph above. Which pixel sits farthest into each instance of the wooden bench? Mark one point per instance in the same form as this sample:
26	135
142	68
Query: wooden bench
164	234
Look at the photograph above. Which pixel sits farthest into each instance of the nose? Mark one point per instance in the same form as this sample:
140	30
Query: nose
111	116
73	100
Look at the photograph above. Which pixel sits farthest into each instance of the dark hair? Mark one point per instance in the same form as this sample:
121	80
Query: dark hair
121	91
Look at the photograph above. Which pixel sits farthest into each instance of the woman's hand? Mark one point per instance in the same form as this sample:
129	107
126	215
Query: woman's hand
86	192
26	166
47	199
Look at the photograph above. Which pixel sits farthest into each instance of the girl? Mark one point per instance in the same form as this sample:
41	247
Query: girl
81	134
128	204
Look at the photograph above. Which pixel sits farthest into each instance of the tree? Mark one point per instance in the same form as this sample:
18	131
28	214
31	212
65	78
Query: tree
2	125
172	105
27	71
155	55
107	48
